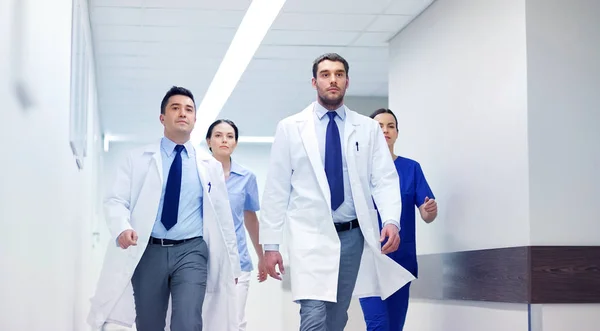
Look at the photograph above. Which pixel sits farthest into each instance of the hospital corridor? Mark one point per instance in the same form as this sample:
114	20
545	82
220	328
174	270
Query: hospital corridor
169	162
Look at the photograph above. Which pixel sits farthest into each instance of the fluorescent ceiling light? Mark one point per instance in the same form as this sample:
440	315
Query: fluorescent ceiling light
248	37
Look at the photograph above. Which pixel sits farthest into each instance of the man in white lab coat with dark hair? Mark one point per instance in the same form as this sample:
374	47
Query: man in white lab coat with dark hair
169	213
327	166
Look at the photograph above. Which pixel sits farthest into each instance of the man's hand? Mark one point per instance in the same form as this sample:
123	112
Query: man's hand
127	238
273	258
262	270
390	231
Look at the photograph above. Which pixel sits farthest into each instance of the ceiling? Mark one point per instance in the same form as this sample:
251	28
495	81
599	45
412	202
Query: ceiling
143	47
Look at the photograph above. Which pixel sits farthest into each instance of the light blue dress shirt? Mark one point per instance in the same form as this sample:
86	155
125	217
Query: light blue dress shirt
346	211
243	195
189	219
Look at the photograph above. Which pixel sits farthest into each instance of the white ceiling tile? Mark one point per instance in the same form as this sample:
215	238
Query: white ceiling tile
408	7
192	17
137	93
111	48
337	6
276	65
389	23
280	37
376	39
165	34
189	50
376	54
116	15
117	3
188	76
201	4
366	54
294	52
169	62
116	32
181	42
322	22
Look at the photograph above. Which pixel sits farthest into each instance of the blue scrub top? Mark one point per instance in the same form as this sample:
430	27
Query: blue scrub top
243	195
414	189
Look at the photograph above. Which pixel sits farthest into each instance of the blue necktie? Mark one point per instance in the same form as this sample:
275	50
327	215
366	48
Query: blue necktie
172	192
333	162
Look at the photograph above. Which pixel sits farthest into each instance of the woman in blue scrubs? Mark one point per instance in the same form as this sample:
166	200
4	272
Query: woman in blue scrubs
222	137
390	314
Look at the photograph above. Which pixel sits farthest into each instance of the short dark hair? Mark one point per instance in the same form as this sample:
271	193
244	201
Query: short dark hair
384	111
331	57
175	90
209	132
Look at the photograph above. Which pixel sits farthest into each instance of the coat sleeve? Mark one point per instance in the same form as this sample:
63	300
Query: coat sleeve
385	184
226	220
117	202
277	191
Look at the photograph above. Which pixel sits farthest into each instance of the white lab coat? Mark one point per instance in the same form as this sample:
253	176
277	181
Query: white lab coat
297	192
133	203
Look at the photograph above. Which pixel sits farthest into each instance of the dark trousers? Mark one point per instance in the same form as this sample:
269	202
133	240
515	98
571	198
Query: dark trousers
179	271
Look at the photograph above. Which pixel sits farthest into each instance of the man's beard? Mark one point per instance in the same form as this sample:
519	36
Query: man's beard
332	102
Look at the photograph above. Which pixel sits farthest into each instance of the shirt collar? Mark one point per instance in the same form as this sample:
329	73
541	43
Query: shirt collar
321	111
169	147
235	168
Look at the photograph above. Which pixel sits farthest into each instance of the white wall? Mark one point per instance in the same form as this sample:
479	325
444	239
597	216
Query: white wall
458	85
463	315
498	101
563	51
46	203
563	48
365	105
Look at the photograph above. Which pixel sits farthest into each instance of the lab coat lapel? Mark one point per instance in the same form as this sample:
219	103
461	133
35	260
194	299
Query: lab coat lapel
349	129
154	149
201	164
308	133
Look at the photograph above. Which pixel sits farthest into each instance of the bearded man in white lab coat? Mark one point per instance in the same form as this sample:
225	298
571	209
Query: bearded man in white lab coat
169	214
328	163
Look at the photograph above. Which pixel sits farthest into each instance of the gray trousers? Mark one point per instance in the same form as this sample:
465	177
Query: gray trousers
329	316
179	271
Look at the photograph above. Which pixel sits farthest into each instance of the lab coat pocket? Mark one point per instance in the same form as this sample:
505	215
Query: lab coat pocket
303	228
362	158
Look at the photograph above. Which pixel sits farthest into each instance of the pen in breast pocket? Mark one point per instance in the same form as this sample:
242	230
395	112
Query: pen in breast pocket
357	146
209	187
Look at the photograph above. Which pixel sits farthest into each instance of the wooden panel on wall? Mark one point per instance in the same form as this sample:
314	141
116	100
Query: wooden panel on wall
528	274
565	274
